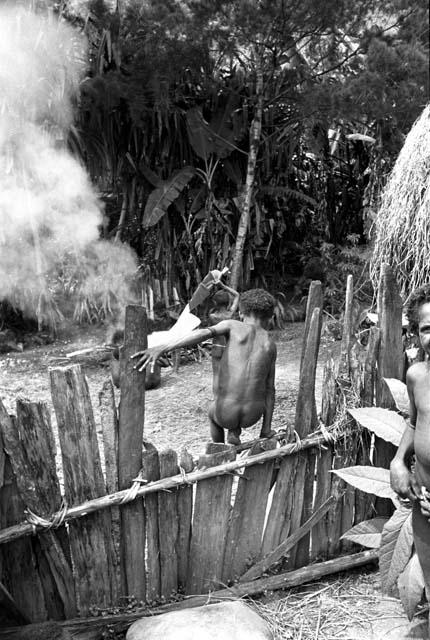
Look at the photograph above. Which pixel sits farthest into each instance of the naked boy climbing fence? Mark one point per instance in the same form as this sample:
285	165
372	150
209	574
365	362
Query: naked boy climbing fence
108	519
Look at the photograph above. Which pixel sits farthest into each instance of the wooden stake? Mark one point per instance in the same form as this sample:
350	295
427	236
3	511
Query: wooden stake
282	549
130	444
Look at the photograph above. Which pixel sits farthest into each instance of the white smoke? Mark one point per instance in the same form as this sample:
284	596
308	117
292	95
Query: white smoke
50	215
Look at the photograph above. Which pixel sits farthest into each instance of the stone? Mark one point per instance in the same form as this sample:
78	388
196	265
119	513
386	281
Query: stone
232	620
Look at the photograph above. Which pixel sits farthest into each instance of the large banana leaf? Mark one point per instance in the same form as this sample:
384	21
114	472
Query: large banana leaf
160	199
207	140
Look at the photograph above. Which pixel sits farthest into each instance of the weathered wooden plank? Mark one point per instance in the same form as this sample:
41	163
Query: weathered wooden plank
347	331
185	510
19	568
305	418
319	533
131	421
305	422
369	377
245	530
303	547
268	561
364	502
90	539
210	521
314	301
328	404
334	516
390	355
279	517
35	469
390	364
151	472
168	526
109	424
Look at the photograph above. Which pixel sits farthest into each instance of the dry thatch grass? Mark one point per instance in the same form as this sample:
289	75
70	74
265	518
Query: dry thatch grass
403	222
340	608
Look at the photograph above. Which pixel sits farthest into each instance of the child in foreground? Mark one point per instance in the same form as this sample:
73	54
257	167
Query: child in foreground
244	388
416	438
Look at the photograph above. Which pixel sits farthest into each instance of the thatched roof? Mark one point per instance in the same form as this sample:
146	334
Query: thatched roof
403	220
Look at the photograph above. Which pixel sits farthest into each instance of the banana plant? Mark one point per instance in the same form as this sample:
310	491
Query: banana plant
398	563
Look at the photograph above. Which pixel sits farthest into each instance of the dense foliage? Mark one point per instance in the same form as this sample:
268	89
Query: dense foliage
166	113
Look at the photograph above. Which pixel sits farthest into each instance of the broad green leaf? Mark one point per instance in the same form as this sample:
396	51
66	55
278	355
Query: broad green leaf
384	423
367	533
401	554
206	139
368	479
399	392
390	535
411	586
160	199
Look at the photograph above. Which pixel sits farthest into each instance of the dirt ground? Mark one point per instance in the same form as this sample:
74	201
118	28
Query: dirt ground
175	413
176	417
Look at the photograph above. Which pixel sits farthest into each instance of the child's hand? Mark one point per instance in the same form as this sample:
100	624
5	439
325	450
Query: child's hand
401	481
149	356
424	498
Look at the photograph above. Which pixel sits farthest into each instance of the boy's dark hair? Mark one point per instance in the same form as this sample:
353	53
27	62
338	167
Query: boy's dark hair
418	297
257	302
221	299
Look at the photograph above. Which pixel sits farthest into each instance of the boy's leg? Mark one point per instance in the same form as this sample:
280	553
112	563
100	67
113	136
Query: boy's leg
421	531
217	432
233	436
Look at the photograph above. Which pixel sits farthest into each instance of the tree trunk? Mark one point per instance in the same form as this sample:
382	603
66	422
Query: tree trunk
254	143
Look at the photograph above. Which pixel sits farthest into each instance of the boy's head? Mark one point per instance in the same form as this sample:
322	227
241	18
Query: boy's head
221	300
258	303
418	299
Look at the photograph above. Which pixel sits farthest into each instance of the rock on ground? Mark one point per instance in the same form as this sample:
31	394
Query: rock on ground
223	621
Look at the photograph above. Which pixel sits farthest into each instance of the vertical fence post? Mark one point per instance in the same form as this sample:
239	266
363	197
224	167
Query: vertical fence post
90	537
305	422
390	362
130	443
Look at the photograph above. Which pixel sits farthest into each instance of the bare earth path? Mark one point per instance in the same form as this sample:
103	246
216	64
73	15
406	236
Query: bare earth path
176	416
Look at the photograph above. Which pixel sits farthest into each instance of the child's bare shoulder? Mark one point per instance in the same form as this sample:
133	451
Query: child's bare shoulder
417	372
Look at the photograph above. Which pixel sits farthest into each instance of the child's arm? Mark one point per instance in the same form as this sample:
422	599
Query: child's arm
234	305
266	431
150	356
400	477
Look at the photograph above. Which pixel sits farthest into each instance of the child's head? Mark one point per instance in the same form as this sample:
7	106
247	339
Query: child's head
419	297
221	300
258	303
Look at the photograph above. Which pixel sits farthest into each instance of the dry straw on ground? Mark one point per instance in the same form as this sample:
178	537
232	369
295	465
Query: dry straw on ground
344	608
403	221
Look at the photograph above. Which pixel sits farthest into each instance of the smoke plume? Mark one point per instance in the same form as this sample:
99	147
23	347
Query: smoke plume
51	259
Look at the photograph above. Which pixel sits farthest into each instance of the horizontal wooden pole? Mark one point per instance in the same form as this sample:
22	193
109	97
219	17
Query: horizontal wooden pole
124	496
265	563
80	628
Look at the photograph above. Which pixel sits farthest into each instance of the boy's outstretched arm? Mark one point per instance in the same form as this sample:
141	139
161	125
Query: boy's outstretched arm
400	476
266	430
150	356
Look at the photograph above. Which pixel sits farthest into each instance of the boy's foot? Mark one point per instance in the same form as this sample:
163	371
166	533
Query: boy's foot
269	434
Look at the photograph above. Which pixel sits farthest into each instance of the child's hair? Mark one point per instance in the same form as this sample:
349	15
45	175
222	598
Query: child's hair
221	299
418	297
257	302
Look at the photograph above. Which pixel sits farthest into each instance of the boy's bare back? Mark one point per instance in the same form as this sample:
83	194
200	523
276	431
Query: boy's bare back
246	370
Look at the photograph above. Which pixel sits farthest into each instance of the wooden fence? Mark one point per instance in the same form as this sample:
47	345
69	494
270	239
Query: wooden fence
80	532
